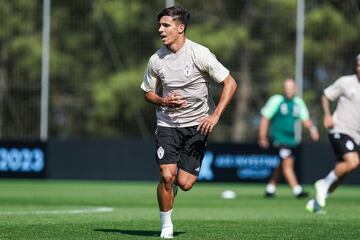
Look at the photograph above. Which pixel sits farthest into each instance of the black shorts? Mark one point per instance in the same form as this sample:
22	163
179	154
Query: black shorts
284	151
182	146
342	144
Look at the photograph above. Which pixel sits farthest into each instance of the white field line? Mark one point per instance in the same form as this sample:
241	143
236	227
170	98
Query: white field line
56	212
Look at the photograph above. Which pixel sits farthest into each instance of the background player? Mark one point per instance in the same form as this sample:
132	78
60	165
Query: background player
277	126
344	133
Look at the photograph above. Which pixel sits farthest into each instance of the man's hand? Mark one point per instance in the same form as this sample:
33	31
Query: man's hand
174	100
263	129
207	124
263	142
314	133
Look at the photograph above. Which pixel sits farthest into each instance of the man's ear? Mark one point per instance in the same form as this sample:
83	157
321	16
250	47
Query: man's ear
181	28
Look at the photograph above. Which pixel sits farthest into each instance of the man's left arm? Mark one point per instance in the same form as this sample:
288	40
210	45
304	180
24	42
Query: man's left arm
207	124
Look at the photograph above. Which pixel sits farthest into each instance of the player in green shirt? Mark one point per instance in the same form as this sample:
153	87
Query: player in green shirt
277	129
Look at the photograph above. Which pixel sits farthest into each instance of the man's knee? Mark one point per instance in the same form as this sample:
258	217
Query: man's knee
287	165
167	181
353	164
185	185
167	175
185	180
352	161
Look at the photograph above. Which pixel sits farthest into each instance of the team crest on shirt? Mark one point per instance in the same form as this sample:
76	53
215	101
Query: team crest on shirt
160	152
296	111
283	108
188	70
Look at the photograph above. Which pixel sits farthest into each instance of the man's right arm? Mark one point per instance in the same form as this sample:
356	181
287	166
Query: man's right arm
173	100
263	130
267	113
331	93
152	97
149	86
328	121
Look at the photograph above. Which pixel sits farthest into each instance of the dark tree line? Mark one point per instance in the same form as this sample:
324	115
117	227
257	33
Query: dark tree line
99	50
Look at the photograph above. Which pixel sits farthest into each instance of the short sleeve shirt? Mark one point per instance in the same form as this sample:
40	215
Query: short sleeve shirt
346	117
189	73
283	114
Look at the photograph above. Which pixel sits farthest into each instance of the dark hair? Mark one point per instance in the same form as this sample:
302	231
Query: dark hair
178	13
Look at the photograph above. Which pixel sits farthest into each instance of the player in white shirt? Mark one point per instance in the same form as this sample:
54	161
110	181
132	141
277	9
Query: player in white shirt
344	133
177	80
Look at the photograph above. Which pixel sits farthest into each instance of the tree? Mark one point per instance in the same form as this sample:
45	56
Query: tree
99	50
20	58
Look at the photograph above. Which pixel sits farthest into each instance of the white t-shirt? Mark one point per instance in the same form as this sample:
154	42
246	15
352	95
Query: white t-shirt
347	114
188	72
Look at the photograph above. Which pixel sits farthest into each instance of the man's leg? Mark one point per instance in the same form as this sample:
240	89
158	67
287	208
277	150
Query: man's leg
313	206
271	185
349	163
336	184
191	158
165	198
185	180
289	174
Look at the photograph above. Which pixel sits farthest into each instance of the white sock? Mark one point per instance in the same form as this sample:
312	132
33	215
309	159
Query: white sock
330	178
297	189
270	188
165	219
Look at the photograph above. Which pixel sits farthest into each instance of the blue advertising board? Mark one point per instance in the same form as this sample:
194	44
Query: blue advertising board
22	159
237	162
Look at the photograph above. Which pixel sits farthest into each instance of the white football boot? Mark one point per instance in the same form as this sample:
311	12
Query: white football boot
167	232
321	192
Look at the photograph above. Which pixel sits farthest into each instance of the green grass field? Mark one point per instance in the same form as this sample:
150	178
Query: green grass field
68	210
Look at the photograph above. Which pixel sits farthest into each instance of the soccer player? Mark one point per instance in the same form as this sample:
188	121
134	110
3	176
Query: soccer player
344	133
279	117
177	80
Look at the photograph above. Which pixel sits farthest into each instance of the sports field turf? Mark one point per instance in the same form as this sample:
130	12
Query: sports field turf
121	210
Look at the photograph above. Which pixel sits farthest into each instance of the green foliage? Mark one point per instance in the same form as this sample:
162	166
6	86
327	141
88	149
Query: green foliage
20	37
222	41
99	50
119	95
123	14
280	68
28	57
327	31
13	23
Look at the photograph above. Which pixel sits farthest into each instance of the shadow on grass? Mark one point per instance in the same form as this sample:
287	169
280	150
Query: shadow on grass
135	232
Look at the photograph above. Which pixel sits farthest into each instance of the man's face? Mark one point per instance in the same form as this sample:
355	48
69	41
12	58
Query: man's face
289	88
169	30
358	68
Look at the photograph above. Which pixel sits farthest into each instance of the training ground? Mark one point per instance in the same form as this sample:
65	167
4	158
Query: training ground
38	209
